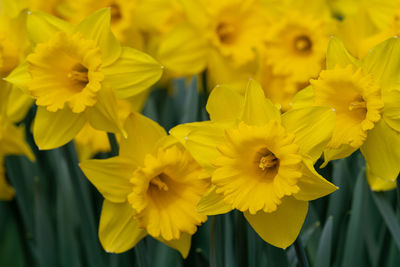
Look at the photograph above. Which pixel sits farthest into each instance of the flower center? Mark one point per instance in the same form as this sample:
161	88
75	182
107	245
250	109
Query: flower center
356	100
116	14
258	166
65	70
165	193
302	44
226	32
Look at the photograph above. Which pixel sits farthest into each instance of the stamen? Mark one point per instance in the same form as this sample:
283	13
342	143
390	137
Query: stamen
115	12
357	105
268	161
225	32
159	183
302	43
80	76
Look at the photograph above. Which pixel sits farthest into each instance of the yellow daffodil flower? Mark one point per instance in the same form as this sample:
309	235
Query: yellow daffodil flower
365	96
12	142
260	162
151	188
75	74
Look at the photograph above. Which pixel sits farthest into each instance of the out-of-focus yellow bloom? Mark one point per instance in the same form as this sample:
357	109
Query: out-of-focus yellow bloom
261	162
231	28
13	47
12	142
123	22
152	187
75	75
365	96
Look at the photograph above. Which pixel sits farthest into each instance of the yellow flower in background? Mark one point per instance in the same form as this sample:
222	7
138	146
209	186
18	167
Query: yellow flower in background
260	162
13	48
12	142
152	187
75	74
365	96
231	28
123	22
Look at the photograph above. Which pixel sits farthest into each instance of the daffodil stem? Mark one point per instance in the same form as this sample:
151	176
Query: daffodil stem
213	262
301	254
113	144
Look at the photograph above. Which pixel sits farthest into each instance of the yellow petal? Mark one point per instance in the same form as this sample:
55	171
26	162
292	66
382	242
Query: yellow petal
391	109
383	63
20	77
313	128
338	55
183	51
202	144
143	135
13	142
54	129
224	104
381	152
196	12
258	110
304	98
332	154
118	229
132	73
280	228
182	245
110	177
96	27
312	185
377	183
42	26
19	105
104	114
212	203
182	131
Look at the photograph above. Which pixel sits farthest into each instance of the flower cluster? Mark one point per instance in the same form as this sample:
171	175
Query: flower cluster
289	82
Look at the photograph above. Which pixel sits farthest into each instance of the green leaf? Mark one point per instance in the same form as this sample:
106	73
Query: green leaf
390	218
325	245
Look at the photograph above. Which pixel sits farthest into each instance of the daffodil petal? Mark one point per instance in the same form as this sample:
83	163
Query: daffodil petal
143	135
104	114
337	54
182	131
182	245
304	98
42	27
183	51
280	228
196	12
381	152
312	185
224	104
391	110
54	129
202	144
313	128
377	183
110	176
13	143
258	110
118	229
383	62
19	105
343	152
20	77
132	73
212	203
96	27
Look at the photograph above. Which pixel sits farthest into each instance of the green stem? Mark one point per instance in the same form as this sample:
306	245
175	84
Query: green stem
213	262
301	254
113	144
